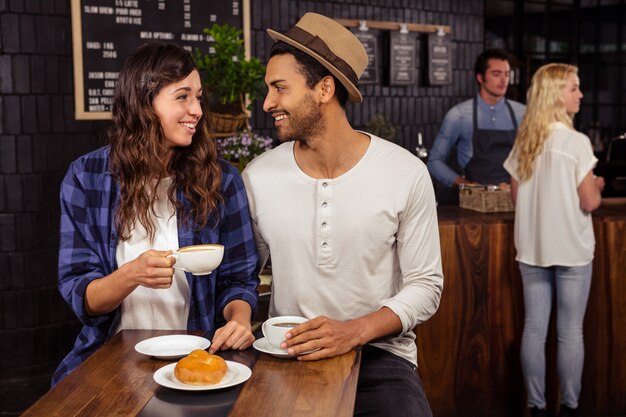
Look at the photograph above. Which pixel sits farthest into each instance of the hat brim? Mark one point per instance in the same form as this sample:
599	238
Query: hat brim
354	95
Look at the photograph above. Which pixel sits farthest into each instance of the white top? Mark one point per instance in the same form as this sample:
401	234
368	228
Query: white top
346	247
147	308
550	226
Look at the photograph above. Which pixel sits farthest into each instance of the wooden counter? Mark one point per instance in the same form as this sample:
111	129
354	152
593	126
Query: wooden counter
469	351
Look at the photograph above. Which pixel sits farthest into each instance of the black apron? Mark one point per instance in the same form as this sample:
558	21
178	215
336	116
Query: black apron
490	149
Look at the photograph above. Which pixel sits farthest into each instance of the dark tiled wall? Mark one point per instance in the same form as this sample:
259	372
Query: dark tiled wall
39	138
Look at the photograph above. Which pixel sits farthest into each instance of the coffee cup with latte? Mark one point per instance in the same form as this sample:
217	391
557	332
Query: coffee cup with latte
274	329
198	259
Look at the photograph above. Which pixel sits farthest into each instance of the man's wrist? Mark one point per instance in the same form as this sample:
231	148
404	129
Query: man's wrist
460	180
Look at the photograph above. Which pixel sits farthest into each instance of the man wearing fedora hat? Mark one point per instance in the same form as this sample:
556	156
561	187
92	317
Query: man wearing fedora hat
348	218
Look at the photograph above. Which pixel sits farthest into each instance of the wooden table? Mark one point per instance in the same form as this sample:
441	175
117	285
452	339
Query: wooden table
117	381
469	351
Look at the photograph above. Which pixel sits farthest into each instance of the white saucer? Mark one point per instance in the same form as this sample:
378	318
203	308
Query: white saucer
171	346
262	345
237	373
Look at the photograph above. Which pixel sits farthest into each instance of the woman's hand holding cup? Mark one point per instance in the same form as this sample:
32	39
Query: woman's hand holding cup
153	269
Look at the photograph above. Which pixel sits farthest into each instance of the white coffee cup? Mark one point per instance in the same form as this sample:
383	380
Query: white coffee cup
198	259
274	329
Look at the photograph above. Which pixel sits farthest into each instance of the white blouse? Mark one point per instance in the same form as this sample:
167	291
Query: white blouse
550	226
147	308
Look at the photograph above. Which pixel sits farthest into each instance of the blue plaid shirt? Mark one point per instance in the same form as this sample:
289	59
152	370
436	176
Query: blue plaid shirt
88	242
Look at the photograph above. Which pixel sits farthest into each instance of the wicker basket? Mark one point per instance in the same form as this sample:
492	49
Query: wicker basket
485	199
226	123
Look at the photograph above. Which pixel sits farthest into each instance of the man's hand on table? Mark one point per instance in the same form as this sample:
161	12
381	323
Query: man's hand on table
330	337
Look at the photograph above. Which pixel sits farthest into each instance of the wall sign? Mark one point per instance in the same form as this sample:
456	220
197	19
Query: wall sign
106	32
439	60
369	40
402	62
403	50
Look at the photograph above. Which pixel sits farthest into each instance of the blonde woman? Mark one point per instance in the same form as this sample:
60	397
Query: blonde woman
554	191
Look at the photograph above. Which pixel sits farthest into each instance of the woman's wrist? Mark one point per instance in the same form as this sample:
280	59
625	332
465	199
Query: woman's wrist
239	311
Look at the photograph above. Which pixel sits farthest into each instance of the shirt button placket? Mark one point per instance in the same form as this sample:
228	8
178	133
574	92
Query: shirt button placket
324	190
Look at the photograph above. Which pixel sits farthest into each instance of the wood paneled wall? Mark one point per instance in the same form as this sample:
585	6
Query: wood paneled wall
469	351
604	376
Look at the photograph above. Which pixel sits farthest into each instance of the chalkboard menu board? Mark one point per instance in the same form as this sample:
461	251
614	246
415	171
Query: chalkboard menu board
106	32
369	39
402	59
439	60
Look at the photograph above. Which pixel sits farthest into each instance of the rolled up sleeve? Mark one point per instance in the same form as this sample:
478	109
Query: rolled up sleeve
80	256
444	142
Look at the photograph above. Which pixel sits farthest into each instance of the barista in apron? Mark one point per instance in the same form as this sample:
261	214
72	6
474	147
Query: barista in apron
489	150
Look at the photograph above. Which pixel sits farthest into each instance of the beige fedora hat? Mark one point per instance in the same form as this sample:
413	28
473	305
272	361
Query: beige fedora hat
334	46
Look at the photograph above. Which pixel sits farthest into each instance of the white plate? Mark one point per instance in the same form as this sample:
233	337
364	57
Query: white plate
262	345
237	373
171	346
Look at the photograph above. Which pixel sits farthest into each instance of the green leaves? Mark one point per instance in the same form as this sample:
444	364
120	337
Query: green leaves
225	72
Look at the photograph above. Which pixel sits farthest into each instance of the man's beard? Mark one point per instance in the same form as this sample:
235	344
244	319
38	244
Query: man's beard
304	123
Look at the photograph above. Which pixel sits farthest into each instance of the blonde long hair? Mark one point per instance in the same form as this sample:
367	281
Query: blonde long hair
544	105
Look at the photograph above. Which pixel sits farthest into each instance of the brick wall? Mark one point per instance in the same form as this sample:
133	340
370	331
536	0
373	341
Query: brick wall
39	138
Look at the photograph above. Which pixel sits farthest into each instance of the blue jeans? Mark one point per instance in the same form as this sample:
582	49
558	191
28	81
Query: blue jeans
571	285
389	385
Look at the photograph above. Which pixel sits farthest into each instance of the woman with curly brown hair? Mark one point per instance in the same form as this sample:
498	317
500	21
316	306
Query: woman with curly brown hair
158	186
554	191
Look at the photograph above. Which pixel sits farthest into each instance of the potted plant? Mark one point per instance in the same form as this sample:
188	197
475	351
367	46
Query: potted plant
381	127
243	147
228	77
